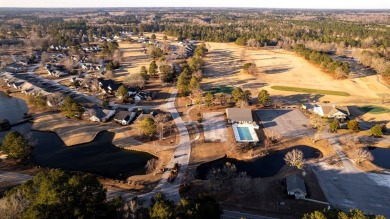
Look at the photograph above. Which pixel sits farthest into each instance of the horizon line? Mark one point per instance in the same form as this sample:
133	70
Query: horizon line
189	7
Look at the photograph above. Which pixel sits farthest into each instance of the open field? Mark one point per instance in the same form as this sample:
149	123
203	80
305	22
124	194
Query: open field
283	68
134	58
310	91
280	68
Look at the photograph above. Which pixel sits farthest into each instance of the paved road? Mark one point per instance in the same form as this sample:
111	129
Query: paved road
237	215
348	187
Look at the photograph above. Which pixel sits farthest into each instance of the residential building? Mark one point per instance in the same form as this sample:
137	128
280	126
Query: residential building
296	186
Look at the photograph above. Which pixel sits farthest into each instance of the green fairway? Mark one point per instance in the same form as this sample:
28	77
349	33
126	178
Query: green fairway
374	109
310	91
221	89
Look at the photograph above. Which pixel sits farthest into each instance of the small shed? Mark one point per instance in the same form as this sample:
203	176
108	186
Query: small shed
296	186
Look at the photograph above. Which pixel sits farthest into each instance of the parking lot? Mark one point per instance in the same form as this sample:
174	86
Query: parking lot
289	123
214	127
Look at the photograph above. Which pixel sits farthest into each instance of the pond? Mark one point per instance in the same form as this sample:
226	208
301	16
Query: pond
266	166
99	156
381	157
12	108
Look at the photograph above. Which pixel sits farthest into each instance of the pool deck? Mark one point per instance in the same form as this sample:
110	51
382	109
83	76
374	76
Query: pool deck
252	131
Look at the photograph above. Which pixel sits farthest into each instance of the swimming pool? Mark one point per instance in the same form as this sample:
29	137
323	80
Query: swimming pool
244	133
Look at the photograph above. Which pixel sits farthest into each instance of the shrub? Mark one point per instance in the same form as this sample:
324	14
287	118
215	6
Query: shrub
353	125
376	130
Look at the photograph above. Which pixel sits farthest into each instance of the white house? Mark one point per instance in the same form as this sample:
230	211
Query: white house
124	117
101	115
331	111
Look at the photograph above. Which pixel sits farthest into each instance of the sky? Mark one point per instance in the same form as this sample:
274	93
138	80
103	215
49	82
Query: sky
318	4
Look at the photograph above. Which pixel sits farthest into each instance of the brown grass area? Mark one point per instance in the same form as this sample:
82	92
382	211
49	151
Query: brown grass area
280	67
162	93
71	132
134	58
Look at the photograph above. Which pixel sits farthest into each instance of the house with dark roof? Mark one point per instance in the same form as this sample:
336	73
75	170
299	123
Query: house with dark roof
239	115
100	115
124	117
108	86
296	186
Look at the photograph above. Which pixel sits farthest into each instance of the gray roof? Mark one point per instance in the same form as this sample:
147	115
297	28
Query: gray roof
121	115
295	182
239	114
329	109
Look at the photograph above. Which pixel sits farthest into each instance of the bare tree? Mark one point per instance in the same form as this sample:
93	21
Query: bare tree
95	84
197	95
55	100
242	182
317	122
360	155
109	74
160	120
242	104
349	141
294	158
253	43
152	165
340	73
135	80
198	74
117	56
13	206
252	69
68	63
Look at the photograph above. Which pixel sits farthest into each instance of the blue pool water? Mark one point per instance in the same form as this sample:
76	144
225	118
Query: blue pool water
244	133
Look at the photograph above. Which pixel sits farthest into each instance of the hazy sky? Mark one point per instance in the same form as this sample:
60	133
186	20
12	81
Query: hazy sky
353	4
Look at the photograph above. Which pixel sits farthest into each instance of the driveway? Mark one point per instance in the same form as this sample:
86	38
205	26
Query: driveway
214	127
348	187
284	122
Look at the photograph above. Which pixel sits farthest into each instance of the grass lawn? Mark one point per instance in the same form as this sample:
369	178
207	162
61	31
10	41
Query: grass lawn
221	89
374	109
310	91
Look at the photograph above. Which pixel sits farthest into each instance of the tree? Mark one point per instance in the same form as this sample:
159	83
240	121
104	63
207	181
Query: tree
334	126
16	146
147	127
183	83
220	178
221	98
264	97
54	192
360	155
40	101
353	125
250	68
237	94
55	100
166	73
317	122
242	181
144	73
122	93
194	83
71	109
153	68
376	130
160	120
253	43
153	37
161	207
242	104
314	215
152	165
109	74
209	99
294	158
135	80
